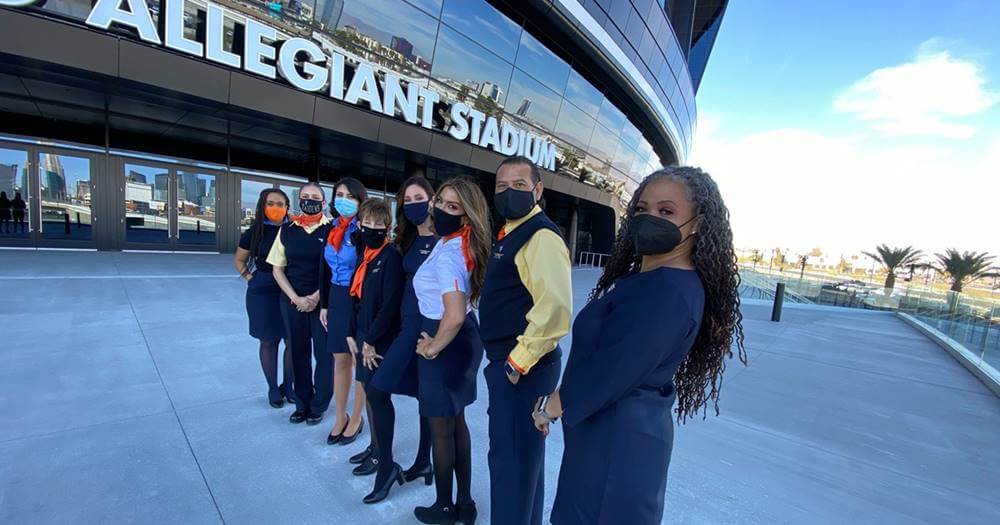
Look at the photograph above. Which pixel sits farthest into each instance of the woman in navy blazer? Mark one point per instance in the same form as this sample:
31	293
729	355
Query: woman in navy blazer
658	328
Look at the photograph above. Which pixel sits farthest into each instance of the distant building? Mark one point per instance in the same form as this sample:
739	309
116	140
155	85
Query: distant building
404	47
8	179
522	110
491	91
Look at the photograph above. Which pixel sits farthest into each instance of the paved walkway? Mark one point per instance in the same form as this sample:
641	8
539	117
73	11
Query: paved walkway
131	393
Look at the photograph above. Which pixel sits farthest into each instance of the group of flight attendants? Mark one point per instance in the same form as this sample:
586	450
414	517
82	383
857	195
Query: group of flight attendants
397	314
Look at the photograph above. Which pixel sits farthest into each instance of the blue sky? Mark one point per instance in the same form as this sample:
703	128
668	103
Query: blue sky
848	123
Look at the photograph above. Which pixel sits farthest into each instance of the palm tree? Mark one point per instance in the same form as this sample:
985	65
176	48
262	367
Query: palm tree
965	267
893	258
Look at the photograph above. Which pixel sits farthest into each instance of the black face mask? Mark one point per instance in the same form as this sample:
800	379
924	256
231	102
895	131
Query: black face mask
310	206
654	235
417	212
373	237
513	204
445	223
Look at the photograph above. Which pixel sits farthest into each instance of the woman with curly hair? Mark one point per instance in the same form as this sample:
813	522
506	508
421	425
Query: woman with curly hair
658	328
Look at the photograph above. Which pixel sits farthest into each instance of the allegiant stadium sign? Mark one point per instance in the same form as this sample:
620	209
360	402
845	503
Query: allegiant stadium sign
306	66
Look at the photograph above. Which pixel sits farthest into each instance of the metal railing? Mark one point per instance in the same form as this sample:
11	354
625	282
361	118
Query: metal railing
592	259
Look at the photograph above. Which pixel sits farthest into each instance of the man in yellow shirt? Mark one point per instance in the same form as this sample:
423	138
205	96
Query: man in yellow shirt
525	309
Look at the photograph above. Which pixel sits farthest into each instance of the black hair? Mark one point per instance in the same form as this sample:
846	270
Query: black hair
521	160
405	231
700	376
257	227
354	187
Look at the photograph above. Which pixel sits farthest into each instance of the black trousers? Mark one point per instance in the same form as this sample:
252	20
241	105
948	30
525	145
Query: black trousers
307	339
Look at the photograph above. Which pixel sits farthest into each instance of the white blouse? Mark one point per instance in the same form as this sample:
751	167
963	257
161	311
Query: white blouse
442	272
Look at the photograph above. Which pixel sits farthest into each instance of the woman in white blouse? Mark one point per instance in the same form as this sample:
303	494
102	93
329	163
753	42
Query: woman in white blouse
447	285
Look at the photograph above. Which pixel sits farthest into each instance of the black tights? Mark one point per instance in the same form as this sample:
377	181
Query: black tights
452	454
383	419
269	364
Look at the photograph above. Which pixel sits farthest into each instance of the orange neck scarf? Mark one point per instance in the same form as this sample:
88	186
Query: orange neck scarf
358	281
466	234
307	221
336	237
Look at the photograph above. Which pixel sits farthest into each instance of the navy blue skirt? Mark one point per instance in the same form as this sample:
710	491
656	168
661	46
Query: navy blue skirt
338	319
447	384
263	307
397	374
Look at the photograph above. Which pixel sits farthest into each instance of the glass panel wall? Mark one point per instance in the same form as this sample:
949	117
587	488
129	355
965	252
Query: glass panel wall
196	205
15	196
250	191
147	194
64	186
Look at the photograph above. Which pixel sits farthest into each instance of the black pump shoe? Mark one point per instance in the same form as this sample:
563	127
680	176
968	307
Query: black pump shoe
439	514
369	467
297	417
360	457
275	397
347	440
333	440
467	513
380	493
413	473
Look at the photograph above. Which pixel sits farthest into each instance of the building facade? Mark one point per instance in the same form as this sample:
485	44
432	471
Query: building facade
154	124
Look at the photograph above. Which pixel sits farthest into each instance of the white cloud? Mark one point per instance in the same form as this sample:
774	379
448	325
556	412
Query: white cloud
921	97
799	189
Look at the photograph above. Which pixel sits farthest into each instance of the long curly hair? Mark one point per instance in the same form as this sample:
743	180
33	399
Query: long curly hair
699	378
478	212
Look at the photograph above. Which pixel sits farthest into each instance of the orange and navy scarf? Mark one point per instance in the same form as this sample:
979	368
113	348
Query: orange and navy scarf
466	234
336	237
358	281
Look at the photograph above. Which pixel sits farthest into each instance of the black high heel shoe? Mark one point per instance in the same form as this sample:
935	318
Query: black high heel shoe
467	513
360	457
436	514
413	473
333	439
369	467
347	440
275	398
379	493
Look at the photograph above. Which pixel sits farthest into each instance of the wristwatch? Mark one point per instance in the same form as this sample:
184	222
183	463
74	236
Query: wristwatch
542	412
510	370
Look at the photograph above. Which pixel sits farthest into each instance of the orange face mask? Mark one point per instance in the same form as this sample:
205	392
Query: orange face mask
275	214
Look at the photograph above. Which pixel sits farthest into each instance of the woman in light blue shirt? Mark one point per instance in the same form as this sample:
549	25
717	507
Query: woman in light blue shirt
341	255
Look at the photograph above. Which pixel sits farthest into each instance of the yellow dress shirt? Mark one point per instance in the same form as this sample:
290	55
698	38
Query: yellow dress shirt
544	267
276	257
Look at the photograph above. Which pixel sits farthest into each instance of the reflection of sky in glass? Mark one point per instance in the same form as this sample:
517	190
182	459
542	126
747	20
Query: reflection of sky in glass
460	59
584	95
574	126
12	174
481	22
74	170
542	106
432	7
603	144
539	62
611	117
385	19
250	192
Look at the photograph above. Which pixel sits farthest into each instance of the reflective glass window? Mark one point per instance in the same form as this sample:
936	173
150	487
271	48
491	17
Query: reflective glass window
15	188
249	194
78	9
531	102
487	26
196	204
326	14
536	59
631	136
466	72
623	158
574	126
64	182
431	7
583	94
147	194
389	33
611	117
603	144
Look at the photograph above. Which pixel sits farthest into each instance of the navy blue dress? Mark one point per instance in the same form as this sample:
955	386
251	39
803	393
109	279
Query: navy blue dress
376	314
263	294
397	374
336	274
618	395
